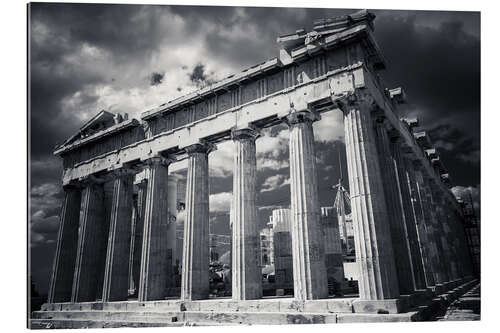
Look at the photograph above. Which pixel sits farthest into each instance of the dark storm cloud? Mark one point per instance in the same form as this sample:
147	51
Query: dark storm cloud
127	31
439	68
199	77
156	78
252	30
69	26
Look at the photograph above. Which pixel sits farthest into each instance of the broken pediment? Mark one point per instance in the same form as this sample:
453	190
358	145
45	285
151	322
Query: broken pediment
99	123
329	33
325	27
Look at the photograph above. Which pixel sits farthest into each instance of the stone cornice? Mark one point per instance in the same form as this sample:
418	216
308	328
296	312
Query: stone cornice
99	135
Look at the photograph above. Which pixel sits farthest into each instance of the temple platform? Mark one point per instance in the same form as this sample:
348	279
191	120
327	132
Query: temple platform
419	306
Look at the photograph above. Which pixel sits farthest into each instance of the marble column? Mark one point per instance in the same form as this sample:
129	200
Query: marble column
442	229
308	252
153	277
115	286
430	227
450	234
397	220
67	239
404	197
90	237
195	257
133	222
139	231
246	272
465	263
378	278
417	211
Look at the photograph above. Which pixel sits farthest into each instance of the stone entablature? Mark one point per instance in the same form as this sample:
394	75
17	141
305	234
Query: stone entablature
108	139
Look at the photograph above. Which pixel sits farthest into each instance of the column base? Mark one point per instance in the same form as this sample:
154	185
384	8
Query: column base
439	288
419	297
394	305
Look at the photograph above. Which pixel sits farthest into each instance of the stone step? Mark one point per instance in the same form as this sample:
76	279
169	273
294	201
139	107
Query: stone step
224	305
228	312
110	315
75	323
208	317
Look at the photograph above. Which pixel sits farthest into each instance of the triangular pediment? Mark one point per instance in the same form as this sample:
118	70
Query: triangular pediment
100	122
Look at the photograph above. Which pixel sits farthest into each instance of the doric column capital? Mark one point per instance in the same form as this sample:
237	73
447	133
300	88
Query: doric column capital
248	133
142	184
90	180
358	100
72	186
121	172
302	116
201	147
158	160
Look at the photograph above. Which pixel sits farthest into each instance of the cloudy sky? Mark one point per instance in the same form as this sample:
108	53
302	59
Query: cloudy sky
127	58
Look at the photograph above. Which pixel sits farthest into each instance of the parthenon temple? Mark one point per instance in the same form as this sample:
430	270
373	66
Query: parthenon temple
116	218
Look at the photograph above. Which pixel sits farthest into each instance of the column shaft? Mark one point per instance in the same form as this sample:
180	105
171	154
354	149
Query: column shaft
430	227
309	269
410	218
246	272
139	231
397	223
450	234
195	258
90	237
133	222
374	254
423	240
153	278
67	239
441	226
115	287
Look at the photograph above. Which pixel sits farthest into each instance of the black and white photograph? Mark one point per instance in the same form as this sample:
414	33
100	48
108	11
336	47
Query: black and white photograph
215	165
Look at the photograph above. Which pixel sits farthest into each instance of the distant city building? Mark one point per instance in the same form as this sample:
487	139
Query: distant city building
266	246
333	248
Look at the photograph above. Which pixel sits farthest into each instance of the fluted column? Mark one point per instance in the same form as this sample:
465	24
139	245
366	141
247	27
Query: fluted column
90	237
450	234
429	220
465	261
115	286
397	220
195	258
139	230
131	279
417	209
374	254
404	196
67	239
308	252
246	271
442	230
154	275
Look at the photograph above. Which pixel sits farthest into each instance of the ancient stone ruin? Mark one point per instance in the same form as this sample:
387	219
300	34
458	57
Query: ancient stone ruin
408	233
